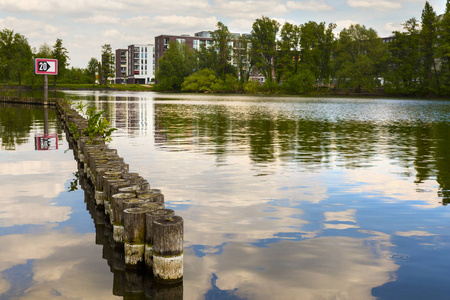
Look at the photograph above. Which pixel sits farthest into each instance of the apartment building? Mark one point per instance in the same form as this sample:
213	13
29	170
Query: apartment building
136	64
204	38
194	42
121	61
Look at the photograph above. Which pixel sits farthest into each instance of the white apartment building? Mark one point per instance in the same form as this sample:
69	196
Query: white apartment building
135	65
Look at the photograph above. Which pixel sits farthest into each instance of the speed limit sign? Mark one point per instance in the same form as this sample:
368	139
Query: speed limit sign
46	66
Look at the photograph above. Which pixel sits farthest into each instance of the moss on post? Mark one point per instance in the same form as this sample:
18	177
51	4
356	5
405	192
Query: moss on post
168	249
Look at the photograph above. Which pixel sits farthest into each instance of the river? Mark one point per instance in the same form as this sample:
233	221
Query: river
282	197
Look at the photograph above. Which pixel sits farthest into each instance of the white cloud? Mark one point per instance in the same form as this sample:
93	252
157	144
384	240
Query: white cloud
313	5
99	19
390	27
250	9
413	233
186	21
341	24
374	4
112	33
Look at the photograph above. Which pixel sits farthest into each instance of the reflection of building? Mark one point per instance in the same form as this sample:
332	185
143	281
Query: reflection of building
135	64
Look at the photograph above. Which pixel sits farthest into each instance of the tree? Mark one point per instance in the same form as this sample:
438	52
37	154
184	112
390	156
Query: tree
222	39
206	58
92	69
177	63
7	50
200	81
444	50
288	55
325	45
15	55
264	32
241	58
428	42
107	63
404	60
45	51
61	54
359	58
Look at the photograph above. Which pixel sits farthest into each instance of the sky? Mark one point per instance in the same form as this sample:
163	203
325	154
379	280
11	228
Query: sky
86	25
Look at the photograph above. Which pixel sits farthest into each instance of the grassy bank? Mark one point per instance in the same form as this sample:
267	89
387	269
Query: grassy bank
69	86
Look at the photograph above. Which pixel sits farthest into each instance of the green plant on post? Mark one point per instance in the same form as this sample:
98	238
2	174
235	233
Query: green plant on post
73	128
97	125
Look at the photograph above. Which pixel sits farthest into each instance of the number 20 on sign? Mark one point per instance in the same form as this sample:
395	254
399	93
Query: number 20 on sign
46	66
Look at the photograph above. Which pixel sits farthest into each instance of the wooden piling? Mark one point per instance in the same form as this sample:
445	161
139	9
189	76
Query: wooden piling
153	195
168	249
149	218
116	216
134	237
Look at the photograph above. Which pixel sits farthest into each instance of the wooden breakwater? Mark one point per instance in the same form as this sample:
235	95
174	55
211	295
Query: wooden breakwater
150	235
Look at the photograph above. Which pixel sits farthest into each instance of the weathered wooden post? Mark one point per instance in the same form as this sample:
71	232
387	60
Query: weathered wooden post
150	216
153	195
168	249
116	216
134	237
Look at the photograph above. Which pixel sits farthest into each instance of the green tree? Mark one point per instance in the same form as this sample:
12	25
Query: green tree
107	63
61	54
404	60
45	51
200	81
264	32
359	58
241	51
288	54
7	50
222	39
18	59
206	58
299	83
76	76
428	36
444	50
177	63
325	44
92	69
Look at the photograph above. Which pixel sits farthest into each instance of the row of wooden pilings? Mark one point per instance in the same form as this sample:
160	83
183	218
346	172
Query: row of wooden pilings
151	236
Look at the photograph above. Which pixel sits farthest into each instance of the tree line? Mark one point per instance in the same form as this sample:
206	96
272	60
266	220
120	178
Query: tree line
299	58
17	57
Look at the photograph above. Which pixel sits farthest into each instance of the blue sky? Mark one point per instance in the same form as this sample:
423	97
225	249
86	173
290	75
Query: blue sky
85	25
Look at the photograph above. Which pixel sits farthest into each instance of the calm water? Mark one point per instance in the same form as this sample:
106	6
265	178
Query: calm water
282	198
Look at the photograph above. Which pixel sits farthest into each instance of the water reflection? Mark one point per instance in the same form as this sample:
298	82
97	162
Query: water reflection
17	124
290	198
269	135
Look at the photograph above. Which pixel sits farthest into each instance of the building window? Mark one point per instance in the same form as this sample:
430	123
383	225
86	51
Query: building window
181	41
166	41
196	45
